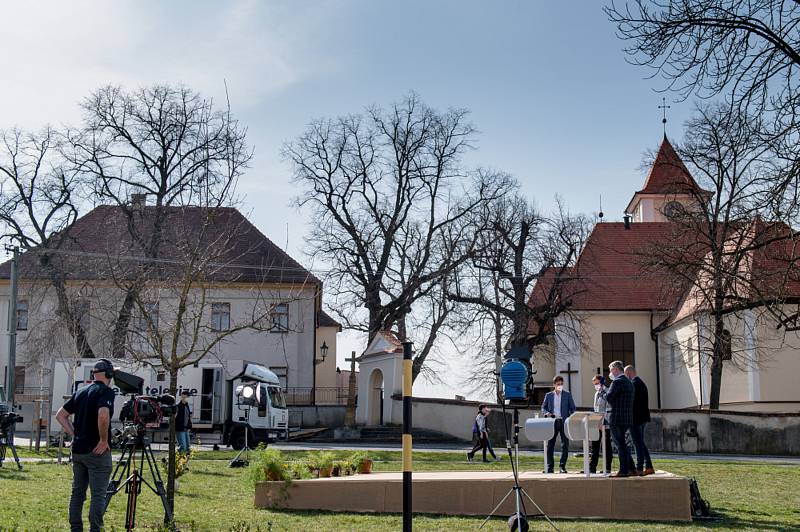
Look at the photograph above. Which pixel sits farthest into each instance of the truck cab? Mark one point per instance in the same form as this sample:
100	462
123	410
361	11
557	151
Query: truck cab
257	408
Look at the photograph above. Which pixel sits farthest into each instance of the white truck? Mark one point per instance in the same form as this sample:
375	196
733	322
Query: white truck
249	406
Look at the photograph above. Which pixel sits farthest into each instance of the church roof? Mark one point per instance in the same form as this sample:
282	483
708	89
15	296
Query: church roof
669	175
608	276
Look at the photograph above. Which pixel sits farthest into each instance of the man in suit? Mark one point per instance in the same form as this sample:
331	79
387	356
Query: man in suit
620	413
641	415
558	404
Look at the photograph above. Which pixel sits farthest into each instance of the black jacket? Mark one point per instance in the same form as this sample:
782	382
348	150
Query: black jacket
641	402
620	402
183	418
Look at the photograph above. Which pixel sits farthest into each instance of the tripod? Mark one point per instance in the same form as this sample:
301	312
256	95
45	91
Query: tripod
7	442
518	520
128	475
239	460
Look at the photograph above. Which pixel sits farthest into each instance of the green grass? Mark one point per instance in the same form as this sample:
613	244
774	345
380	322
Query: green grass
746	496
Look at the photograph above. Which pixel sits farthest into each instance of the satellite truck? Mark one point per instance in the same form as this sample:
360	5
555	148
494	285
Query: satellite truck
248	408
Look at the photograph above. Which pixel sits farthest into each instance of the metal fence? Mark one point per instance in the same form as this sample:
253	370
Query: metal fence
323	395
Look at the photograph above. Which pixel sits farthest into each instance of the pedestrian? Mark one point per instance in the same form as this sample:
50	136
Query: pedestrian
600	406
480	434
559	405
183	422
620	413
641	416
92	407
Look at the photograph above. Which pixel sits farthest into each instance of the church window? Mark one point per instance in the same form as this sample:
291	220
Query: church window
617	346
672	209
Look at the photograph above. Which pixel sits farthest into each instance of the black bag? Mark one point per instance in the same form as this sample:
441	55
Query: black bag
700	507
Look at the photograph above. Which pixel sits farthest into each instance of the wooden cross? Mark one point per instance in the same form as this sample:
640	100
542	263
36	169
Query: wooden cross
350	413
664	108
569	371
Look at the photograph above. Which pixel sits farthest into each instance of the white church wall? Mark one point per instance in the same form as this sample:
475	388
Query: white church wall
779	363
679	366
594	325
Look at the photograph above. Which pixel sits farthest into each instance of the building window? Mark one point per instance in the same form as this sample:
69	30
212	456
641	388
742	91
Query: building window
617	346
220	316
673	363
22	315
280	318
690	352
19	379
81	309
148	312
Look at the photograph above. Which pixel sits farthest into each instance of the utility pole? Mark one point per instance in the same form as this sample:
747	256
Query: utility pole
12	327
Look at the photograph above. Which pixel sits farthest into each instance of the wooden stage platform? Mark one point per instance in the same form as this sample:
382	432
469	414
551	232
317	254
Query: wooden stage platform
659	497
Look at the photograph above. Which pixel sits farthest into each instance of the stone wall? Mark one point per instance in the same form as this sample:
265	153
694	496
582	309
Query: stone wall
317	416
685	431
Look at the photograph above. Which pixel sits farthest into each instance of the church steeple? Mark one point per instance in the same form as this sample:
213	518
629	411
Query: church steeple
668	181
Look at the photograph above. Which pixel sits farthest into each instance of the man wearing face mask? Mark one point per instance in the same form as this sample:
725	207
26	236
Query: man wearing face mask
600	406
558	404
620	414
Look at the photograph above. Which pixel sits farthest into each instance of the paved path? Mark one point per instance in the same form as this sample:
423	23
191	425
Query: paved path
22	443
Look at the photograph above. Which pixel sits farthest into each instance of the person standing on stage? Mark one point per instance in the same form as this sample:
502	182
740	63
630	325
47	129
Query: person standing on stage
641	415
558	404
92	407
620	413
600	406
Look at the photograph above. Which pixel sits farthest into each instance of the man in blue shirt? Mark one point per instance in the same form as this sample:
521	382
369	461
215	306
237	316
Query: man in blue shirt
558	404
92	407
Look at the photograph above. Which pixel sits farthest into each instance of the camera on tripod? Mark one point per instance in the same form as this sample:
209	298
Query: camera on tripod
141	411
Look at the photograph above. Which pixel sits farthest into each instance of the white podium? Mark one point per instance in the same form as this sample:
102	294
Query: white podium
541	429
585	426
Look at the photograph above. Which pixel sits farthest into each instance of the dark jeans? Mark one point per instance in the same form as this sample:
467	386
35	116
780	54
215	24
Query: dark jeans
597	449
618	434
642	454
481	444
92	471
559	431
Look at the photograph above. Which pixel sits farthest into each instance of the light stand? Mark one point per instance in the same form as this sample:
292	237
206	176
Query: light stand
239	460
518	520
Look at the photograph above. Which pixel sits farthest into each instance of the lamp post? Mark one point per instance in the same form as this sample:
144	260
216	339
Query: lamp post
323	350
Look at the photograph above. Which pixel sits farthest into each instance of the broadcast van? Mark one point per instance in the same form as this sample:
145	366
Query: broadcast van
248	406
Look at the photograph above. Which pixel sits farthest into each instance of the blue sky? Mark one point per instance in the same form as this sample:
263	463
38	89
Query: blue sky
550	91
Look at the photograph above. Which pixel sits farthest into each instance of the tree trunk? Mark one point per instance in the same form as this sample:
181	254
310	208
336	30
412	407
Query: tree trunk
119	338
74	326
173	386
716	364
498	354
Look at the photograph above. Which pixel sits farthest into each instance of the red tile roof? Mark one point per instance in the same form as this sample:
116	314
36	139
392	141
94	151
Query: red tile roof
669	175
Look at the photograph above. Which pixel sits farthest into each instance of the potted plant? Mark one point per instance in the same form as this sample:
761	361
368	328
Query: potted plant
361	462
268	464
324	463
299	470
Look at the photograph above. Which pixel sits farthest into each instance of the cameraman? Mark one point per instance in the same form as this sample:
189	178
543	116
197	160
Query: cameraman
92	407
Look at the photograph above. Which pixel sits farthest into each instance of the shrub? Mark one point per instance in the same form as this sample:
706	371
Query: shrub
266	464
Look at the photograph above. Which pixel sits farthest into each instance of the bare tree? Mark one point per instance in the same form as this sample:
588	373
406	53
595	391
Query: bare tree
721	248
392	209
39	200
165	142
521	277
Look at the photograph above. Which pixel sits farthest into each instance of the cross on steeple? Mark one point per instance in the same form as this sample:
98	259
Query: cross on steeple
664	108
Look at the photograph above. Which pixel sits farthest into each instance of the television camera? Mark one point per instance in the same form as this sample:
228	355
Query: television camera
8	421
139	413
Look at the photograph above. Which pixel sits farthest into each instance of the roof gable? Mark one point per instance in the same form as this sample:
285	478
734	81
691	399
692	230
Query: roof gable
669	175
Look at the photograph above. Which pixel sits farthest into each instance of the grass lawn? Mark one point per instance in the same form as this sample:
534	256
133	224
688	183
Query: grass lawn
746	496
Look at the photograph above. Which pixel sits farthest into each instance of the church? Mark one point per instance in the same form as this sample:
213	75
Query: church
622	314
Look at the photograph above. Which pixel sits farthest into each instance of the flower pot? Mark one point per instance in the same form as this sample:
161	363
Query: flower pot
324	472
271	475
336	471
365	467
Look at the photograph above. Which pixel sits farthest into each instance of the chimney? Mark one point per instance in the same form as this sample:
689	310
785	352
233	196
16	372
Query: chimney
138	200
627	219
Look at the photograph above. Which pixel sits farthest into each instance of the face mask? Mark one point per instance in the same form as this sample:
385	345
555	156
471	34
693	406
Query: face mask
559	387
597	387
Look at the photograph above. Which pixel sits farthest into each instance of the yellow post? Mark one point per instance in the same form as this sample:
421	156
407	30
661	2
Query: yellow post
407	464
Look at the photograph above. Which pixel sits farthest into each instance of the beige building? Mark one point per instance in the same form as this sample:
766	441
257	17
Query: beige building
621	314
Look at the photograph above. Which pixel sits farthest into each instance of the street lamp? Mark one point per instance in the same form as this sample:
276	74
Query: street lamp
323	350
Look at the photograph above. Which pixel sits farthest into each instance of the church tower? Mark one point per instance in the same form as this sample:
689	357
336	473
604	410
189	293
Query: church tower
669	187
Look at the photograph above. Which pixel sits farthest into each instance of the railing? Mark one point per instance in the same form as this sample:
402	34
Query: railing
323	396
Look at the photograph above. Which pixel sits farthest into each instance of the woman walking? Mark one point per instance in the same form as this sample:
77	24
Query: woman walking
481	434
